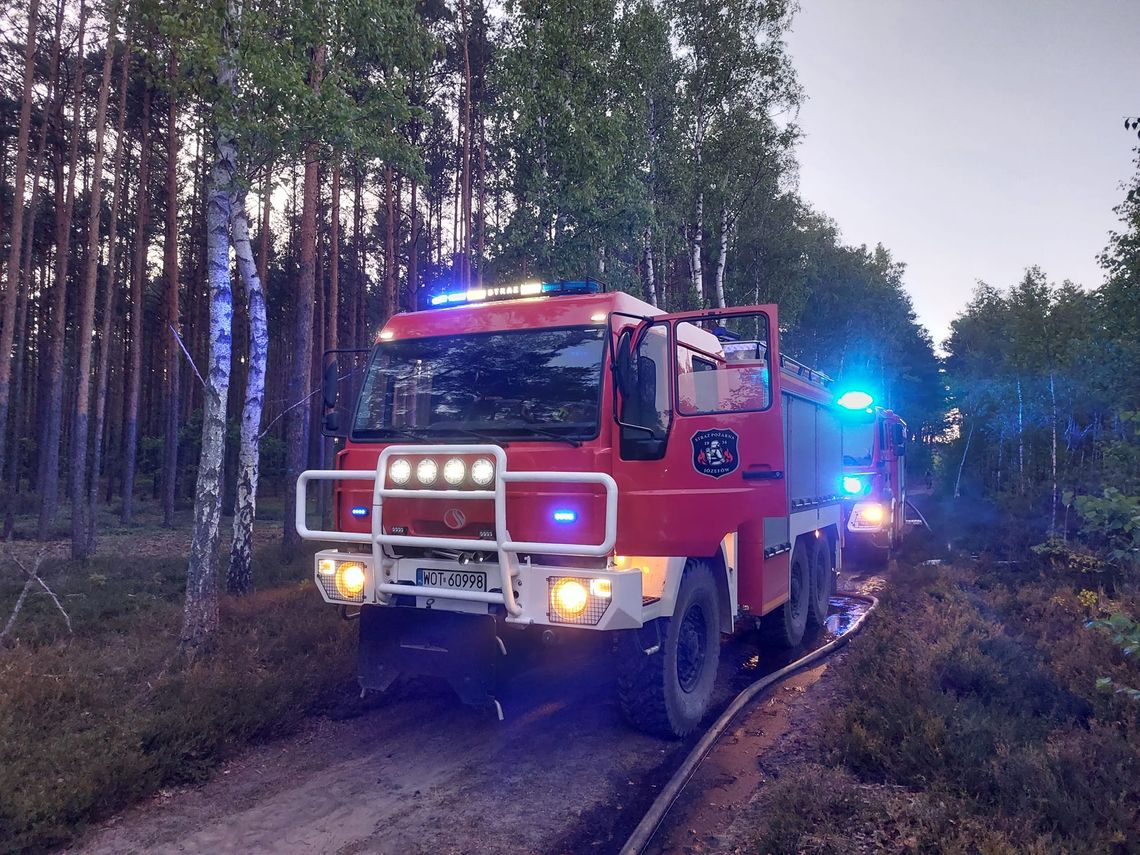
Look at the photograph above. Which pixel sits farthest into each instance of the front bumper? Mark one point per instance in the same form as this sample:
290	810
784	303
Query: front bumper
613	597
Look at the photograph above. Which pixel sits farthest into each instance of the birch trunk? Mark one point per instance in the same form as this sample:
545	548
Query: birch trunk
138	269
200	617
647	276
239	578
15	231
722	257
80	429
698	219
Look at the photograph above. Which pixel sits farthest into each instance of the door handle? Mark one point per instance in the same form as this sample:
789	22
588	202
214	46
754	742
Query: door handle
763	474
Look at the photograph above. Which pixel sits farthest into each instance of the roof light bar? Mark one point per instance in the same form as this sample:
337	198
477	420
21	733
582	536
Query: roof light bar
510	292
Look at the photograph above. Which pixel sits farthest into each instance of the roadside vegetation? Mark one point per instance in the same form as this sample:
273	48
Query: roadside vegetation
970	719
94	719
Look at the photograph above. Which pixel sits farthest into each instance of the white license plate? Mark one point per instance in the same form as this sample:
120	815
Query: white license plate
462	580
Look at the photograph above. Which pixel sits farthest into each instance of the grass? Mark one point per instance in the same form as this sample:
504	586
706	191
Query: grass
94	720
969	722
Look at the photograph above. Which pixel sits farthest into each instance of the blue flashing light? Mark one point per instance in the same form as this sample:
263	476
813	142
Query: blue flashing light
853	486
565	516
360	511
511	292
855	400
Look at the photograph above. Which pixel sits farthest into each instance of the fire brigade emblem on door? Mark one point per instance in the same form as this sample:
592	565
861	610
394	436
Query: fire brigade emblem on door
715	452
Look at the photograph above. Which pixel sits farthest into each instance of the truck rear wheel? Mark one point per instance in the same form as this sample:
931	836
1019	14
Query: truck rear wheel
822	581
785	626
667	691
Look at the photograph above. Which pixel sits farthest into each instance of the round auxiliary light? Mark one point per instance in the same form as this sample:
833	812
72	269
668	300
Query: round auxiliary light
350	580
569	598
400	471
482	471
427	471
454	471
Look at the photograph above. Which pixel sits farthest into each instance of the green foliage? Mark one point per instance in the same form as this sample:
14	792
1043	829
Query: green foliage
1111	522
1125	634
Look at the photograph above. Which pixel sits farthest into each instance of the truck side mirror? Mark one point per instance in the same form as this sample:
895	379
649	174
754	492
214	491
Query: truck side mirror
328	385
900	440
332	424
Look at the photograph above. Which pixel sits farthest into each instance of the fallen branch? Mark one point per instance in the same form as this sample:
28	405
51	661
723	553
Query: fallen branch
33	578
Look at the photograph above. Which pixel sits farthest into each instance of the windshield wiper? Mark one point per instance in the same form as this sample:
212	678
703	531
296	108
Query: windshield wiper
395	431
442	428
542	432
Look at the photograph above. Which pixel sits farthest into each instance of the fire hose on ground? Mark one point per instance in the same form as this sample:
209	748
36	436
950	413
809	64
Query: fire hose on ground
661	806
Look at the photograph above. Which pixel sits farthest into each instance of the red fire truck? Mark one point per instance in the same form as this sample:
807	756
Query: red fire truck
874	472
552	458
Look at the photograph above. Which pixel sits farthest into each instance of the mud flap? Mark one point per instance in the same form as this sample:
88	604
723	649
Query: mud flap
463	649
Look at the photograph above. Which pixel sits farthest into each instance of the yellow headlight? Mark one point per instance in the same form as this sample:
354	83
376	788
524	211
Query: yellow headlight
569	598
871	513
350	580
326	567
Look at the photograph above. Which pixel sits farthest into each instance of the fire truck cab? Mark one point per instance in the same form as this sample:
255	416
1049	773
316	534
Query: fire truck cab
874	472
552	458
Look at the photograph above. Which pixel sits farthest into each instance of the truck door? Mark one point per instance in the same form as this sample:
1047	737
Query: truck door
701	446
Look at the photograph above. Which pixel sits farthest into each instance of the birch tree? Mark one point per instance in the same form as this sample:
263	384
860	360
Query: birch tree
200	616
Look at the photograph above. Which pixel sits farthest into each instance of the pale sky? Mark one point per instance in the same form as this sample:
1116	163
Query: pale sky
973	138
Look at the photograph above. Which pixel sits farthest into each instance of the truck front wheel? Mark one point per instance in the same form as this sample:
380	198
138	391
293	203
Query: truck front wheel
665	689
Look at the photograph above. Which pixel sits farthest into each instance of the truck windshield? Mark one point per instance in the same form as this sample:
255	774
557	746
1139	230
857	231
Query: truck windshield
525	384
858	444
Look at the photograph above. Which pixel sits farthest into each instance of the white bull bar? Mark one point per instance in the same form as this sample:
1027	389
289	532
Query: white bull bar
507	549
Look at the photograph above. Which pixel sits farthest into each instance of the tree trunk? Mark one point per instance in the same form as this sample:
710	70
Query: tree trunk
49	455
171	333
200	617
412	288
80	430
239	577
52	116
109	301
962	464
300	377
722	257
1053	470
1020	441
15	231
698	221
357	282
138	271
391	303
647	278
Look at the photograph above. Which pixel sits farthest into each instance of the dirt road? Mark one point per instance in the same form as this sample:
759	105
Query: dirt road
422	773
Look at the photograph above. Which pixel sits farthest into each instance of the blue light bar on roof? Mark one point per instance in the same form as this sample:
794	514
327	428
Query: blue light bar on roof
511	292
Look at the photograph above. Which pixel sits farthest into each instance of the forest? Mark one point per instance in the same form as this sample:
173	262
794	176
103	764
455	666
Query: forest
358	156
198	200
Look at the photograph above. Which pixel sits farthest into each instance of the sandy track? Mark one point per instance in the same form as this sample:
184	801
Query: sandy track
422	773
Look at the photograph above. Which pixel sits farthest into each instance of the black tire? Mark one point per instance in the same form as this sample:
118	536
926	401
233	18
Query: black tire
822	581
785	626
667	692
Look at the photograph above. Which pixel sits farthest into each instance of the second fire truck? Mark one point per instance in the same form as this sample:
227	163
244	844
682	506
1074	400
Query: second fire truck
550	458
874	472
